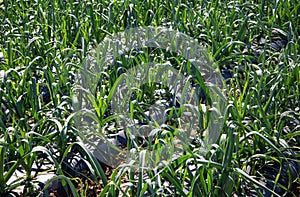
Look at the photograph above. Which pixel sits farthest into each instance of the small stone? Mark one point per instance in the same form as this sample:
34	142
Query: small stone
2	74
2	60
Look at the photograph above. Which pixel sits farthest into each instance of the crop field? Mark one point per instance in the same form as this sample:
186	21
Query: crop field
88	96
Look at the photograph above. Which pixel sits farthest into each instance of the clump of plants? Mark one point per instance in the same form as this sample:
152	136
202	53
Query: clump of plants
255	45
